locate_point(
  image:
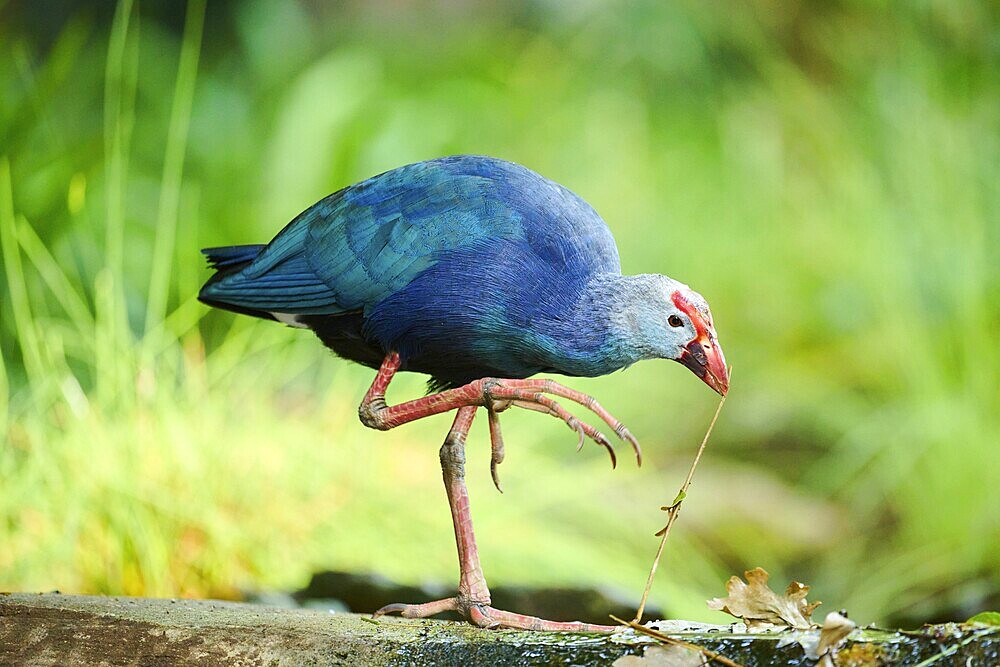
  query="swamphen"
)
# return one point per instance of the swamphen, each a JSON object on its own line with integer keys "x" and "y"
{"x": 479, "y": 273}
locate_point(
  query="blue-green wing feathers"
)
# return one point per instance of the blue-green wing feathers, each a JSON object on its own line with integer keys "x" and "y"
{"x": 362, "y": 244}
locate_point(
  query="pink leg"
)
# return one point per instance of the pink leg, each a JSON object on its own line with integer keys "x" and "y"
{"x": 486, "y": 392}
{"x": 473, "y": 599}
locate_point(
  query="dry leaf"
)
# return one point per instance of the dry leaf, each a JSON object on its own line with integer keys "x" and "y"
{"x": 835, "y": 630}
{"x": 821, "y": 644}
{"x": 759, "y": 607}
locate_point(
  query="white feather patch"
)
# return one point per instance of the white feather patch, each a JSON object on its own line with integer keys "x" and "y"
{"x": 289, "y": 319}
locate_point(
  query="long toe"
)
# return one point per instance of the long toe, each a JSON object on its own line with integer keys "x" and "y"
{"x": 484, "y": 616}
{"x": 488, "y": 617}
{"x": 424, "y": 610}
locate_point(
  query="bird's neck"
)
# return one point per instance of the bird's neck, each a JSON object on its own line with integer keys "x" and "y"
{"x": 602, "y": 333}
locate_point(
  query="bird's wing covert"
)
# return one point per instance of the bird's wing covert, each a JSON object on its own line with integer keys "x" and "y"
{"x": 362, "y": 244}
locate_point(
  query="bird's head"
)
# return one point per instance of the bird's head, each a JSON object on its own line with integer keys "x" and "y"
{"x": 666, "y": 319}
{"x": 695, "y": 343}
{"x": 651, "y": 316}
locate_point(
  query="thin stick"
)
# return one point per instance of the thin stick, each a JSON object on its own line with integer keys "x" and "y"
{"x": 667, "y": 639}
{"x": 673, "y": 509}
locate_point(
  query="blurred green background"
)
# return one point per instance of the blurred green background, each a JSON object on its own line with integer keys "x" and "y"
{"x": 827, "y": 174}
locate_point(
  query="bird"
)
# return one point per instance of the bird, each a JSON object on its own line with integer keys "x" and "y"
{"x": 481, "y": 274}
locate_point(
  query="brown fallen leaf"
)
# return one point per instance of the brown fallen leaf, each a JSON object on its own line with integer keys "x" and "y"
{"x": 759, "y": 607}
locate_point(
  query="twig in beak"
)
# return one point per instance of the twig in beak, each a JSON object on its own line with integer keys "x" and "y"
{"x": 673, "y": 509}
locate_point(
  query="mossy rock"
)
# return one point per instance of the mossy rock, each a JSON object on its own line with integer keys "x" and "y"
{"x": 54, "y": 629}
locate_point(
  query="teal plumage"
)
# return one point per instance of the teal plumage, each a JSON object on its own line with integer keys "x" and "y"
{"x": 467, "y": 265}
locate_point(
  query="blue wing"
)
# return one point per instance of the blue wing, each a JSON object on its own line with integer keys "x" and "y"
{"x": 361, "y": 245}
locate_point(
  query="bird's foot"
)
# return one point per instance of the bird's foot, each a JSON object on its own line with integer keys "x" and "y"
{"x": 500, "y": 394}
{"x": 496, "y": 395}
{"x": 484, "y": 616}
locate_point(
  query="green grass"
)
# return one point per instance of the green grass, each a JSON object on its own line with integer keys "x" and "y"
{"x": 830, "y": 184}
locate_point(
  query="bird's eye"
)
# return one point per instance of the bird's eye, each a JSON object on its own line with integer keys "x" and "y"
{"x": 675, "y": 321}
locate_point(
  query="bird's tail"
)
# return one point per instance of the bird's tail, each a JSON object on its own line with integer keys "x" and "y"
{"x": 227, "y": 260}
{"x": 231, "y": 256}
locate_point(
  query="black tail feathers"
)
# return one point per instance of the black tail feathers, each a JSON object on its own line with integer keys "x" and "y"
{"x": 231, "y": 255}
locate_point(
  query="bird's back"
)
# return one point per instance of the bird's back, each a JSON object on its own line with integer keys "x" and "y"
{"x": 448, "y": 262}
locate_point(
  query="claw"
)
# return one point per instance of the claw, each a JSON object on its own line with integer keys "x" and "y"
{"x": 604, "y": 442}
{"x": 627, "y": 436}
{"x": 496, "y": 445}
{"x": 576, "y": 426}
{"x": 495, "y": 475}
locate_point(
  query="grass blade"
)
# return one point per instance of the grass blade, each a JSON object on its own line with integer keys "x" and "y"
{"x": 20, "y": 302}
{"x": 173, "y": 164}
{"x": 4, "y": 405}
{"x": 59, "y": 284}
{"x": 111, "y": 315}
{"x": 119, "y": 105}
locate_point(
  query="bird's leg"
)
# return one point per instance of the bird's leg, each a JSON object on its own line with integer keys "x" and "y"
{"x": 486, "y": 392}
{"x": 473, "y": 599}
{"x": 472, "y": 589}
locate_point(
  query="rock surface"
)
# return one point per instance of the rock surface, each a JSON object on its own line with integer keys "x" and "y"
{"x": 64, "y": 630}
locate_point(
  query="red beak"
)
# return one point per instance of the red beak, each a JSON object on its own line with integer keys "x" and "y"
{"x": 703, "y": 356}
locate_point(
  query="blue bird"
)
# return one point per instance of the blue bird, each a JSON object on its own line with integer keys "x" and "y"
{"x": 479, "y": 273}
